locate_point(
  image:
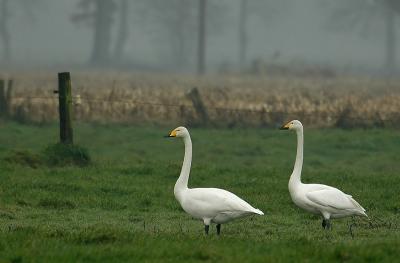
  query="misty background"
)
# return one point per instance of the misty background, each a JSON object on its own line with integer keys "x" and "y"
{"x": 163, "y": 35}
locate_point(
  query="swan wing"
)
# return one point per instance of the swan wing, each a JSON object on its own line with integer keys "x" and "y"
{"x": 220, "y": 201}
{"x": 334, "y": 198}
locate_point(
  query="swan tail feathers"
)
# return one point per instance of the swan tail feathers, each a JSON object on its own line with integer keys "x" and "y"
{"x": 362, "y": 212}
{"x": 258, "y": 212}
{"x": 359, "y": 208}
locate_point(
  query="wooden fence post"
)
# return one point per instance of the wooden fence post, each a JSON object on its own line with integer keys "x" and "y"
{"x": 5, "y": 98}
{"x": 3, "y": 102}
{"x": 65, "y": 107}
{"x": 8, "y": 97}
{"x": 201, "y": 110}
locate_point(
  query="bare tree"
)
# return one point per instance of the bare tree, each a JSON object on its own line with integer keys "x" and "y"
{"x": 348, "y": 14}
{"x": 172, "y": 23}
{"x": 4, "y": 31}
{"x": 209, "y": 13}
{"x": 267, "y": 10}
{"x": 201, "y": 38}
{"x": 176, "y": 25}
{"x": 390, "y": 58}
{"x": 182, "y": 46}
{"x": 242, "y": 33}
{"x": 394, "y": 4}
{"x": 123, "y": 30}
{"x": 6, "y": 14}
{"x": 98, "y": 14}
{"x": 392, "y": 8}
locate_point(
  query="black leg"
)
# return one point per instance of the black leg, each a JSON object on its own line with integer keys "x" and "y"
{"x": 326, "y": 223}
{"x": 206, "y": 228}
{"x": 351, "y": 225}
{"x": 323, "y": 223}
{"x": 218, "y": 229}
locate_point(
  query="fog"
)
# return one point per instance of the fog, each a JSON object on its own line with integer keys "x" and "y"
{"x": 345, "y": 35}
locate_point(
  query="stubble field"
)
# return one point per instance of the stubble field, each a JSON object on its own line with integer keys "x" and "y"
{"x": 229, "y": 101}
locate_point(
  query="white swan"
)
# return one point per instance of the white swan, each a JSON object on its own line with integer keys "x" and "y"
{"x": 212, "y": 205}
{"x": 327, "y": 201}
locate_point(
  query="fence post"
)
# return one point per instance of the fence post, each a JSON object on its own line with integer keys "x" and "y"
{"x": 3, "y": 102}
{"x": 201, "y": 110}
{"x": 65, "y": 107}
{"x": 8, "y": 97}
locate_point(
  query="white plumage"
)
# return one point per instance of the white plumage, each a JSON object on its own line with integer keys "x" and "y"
{"x": 324, "y": 200}
{"x": 211, "y": 205}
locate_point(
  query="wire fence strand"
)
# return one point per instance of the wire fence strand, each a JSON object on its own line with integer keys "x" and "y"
{"x": 320, "y": 114}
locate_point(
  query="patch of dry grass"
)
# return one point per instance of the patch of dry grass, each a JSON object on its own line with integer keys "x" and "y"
{"x": 230, "y": 100}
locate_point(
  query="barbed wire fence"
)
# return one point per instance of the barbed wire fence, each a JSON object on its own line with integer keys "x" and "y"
{"x": 208, "y": 114}
{"x": 198, "y": 113}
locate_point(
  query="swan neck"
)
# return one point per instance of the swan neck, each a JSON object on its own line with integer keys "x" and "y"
{"x": 182, "y": 182}
{"x": 295, "y": 178}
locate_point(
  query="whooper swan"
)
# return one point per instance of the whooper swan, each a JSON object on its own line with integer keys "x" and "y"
{"x": 212, "y": 205}
{"x": 327, "y": 201}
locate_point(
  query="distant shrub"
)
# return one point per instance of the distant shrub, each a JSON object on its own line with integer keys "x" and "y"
{"x": 66, "y": 154}
{"x": 23, "y": 157}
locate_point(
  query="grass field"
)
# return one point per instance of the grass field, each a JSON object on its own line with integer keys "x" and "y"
{"x": 122, "y": 208}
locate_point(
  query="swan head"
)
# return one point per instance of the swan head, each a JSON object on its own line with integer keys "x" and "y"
{"x": 292, "y": 125}
{"x": 178, "y": 132}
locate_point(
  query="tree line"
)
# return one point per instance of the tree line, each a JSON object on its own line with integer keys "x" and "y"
{"x": 186, "y": 25}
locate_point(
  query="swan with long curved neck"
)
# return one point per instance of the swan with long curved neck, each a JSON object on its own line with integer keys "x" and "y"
{"x": 211, "y": 205}
{"x": 324, "y": 200}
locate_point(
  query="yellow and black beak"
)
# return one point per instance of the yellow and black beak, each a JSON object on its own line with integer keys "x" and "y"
{"x": 285, "y": 127}
{"x": 171, "y": 135}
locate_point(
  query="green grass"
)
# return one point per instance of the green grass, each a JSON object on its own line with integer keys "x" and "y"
{"x": 122, "y": 208}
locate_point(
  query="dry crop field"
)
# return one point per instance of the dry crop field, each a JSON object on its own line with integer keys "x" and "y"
{"x": 229, "y": 101}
